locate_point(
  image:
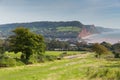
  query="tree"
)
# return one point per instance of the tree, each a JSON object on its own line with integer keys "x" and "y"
{"x": 116, "y": 50}
{"x": 99, "y": 49}
{"x": 107, "y": 45}
{"x": 26, "y": 42}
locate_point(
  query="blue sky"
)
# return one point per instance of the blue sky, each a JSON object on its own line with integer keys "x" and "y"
{"x": 104, "y": 13}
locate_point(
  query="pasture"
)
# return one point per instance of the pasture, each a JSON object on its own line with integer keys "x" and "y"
{"x": 80, "y": 68}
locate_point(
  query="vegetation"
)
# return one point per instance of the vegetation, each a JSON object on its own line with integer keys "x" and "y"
{"x": 99, "y": 49}
{"x": 28, "y": 43}
{"x": 48, "y": 55}
{"x": 116, "y": 50}
{"x": 52, "y": 29}
{"x": 107, "y": 45}
{"x": 83, "y": 68}
{"x": 68, "y": 28}
{"x": 46, "y": 28}
{"x": 6, "y": 60}
{"x": 56, "y": 44}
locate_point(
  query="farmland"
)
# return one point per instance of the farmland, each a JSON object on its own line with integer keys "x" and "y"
{"x": 69, "y": 28}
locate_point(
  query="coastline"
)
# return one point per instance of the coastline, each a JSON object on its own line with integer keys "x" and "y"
{"x": 89, "y": 36}
{"x": 110, "y": 37}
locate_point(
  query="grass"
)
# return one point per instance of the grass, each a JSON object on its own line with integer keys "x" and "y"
{"x": 87, "y": 68}
{"x": 57, "y": 53}
{"x": 68, "y": 28}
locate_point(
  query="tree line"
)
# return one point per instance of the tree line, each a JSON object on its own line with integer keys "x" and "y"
{"x": 100, "y": 48}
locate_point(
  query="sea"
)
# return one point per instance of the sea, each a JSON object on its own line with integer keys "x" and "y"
{"x": 111, "y": 37}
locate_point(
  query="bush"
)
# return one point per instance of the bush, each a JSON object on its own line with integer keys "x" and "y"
{"x": 50, "y": 57}
{"x": 116, "y": 50}
{"x": 7, "y": 61}
{"x": 35, "y": 59}
{"x": 63, "y": 54}
{"x": 40, "y": 58}
{"x": 19, "y": 62}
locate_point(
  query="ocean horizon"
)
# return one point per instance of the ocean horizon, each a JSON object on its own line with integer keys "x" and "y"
{"x": 111, "y": 37}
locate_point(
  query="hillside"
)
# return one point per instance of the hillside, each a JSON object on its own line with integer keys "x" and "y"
{"x": 69, "y": 29}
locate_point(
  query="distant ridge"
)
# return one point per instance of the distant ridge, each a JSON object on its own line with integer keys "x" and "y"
{"x": 49, "y": 29}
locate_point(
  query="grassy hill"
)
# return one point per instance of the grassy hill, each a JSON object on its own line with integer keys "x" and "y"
{"x": 81, "y": 68}
{"x": 48, "y": 29}
{"x": 68, "y": 29}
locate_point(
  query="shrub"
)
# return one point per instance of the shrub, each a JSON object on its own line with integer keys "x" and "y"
{"x": 7, "y": 61}
{"x": 99, "y": 50}
{"x": 35, "y": 59}
{"x": 63, "y": 54}
{"x": 50, "y": 57}
{"x": 116, "y": 50}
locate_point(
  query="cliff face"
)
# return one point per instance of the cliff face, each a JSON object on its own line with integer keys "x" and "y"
{"x": 87, "y": 30}
{"x": 84, "y": 32}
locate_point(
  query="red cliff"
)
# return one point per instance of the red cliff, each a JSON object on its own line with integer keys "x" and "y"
{"x": 84, "y": 32}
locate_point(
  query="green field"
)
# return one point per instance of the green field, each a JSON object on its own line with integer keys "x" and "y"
{"x": 68, "y": 28}
{"x": 85, "y": 67}
{"x": 57, "y": 53}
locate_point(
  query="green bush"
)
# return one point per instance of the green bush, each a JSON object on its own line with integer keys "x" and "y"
{"x": 19, "y": 62}
{"x": 35, "y": 59}
{"x": 63, "y": 54}
{"x": 7, "y": 61}
{"x": 50, "y": 57}
{"x": 40, "y": 58}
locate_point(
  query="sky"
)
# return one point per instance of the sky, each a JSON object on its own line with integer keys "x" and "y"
{"x": 104, "y": 13}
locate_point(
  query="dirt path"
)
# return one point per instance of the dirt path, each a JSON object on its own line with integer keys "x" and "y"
{"x": 76, "y": 56}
